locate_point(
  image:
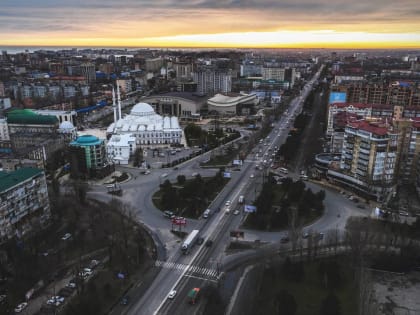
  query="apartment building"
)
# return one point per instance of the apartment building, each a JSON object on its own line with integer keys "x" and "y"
{"x": 211, "y": 80}
{"x": 369, "y": 159}
{"x": 24, "y": 202}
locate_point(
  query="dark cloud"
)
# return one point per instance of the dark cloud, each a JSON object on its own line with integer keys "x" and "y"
{"x": 233, "y": 15}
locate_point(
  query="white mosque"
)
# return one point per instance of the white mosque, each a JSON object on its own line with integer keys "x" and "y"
{"x": 141, "y": 127}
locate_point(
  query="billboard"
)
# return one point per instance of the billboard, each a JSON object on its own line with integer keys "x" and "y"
{"x": 249, "y": 208}
{"x": 226, "y": 175}
{"x": 179, "y": 221}
{"x": 337, "y": 97}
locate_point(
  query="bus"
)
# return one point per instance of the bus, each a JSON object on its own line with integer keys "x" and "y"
{"x": 283, "y": 170}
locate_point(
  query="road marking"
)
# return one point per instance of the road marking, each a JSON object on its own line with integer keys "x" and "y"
{"x": 191, "y": 270}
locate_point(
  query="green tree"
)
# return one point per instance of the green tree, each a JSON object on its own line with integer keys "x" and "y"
{"x": 286, "y": 303}
{"x": 181, "y": 179}
{"x": 330, "y": 305}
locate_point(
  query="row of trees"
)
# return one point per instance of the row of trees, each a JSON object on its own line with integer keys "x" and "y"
{"x": 189, "y": 198}
{"x": 277, "y": 204}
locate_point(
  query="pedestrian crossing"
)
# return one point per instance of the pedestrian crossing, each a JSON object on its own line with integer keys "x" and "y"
{"x": 191, "y": 270}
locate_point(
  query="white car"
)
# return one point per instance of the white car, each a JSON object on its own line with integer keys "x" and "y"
{"x": 252, "y": 176}
{"x": 227, "y": 210}
{"x": 236, "y": 212}
{"x": 227, "y": 203}
{"x": 21, "y": 307}
{"x": 172, "y": 294}
{"x": 66, "y": 236}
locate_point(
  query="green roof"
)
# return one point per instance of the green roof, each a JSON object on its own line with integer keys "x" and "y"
{"x": 86, "y": 140}
{"x": 27, "y": 116}
{"x": 10, "y": 179}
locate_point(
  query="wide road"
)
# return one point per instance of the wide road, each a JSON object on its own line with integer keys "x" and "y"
{"x": 206, "y": 264}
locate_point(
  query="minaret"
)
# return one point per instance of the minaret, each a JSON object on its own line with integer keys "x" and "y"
{"x": 114, "y": 105}
{"x": 119, "y": 102}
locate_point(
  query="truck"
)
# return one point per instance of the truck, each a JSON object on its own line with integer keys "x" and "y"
{"x": 189, "y": 241}
{"x": 193, "y": 295}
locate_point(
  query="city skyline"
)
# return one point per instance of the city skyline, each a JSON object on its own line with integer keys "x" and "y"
{"x": 224, "y": 24}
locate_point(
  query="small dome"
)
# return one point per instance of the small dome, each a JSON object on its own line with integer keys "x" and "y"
{"x": 142, "y": 109}
{"x": 66, "y": 125}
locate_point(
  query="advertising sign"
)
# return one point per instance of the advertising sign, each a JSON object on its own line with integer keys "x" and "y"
{"x": 179, "y": 221}
{"x": 226, "y": 175}
{"x": 337, "y": 97}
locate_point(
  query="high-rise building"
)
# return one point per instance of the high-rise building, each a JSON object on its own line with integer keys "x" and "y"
{"x": 24, "y": 202}
{"x": 369, "y": 158}
{"x": 211, "y": 80}
{"x": 88, "y": 71}
{"x": 183, "y": 70}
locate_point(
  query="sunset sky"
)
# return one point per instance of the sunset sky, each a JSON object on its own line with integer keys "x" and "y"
{"x": 211, "y": 23}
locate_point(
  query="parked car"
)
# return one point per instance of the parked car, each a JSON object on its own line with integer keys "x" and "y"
{"x": 169, "y": 214}
{"x": 66, "y": 237}
{"x": 125, "y": 300}
{"x": 21, "y": 307}
{"x": 284, "y": 239}
{"x": 209, "y": 243}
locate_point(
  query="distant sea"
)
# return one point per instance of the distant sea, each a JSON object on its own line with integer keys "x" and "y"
{"x": 20, "y": 49}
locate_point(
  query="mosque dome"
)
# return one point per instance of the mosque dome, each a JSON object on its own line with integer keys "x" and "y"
{"x": 142, "y": 109}
{"x": 66, "y": 125}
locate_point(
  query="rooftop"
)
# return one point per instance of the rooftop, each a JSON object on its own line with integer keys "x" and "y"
{"x": 27, "y": 116}
{"x": 10, "y": 179}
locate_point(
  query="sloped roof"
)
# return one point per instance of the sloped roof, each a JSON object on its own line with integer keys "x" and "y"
{"x": 27, "y": 116}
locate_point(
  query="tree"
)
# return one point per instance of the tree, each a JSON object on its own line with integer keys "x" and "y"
{"x": 330, "y": 305}
{"x": 181, "y": 179}
{"x": 286, "y": 303}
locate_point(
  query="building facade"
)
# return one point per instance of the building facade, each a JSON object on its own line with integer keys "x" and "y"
{"x": 369, "y": 159}
{"x": 211, "y": 81}
{"x": 147, "y": 127}
{"x": 24, "y": 202}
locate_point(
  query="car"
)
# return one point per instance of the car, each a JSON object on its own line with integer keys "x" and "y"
{"x": 209, "y": 243}
{"x": 227, "y": 203}
{"x": 284, "y": 239}
{"x": 21, "y": 307}
{"x": 321, "y": 236}
{"x": 93, "y": 264}
{"x": 87, "y": 271}
{"x": 169, "y": 214}
{"x": 404, "y": 213}
{"x": 172, "y": 294}
{"x": 206, "y": 213}
{"x": 3, "y": 298}
{"x": 175, "y": 168}
{"x": 236, "y": 212}
{"x": 66, "y": 237}
{"x": 71, "y": 285}
{"x": 200, "y": 240}
{"x": 227, "y": 210}
{"x": 305, "y": 235}
{"x": 251, "y": 176}
{"x": 125, "y": 300}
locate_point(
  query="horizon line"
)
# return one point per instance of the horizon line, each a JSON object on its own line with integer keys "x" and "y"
{"x": 208, "y": 47}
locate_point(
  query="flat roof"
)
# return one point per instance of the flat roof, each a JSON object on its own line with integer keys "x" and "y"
{"x": 11, "y": 179}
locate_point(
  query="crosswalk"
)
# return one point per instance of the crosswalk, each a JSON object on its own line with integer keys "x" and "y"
{"x": 191, "y": 270}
